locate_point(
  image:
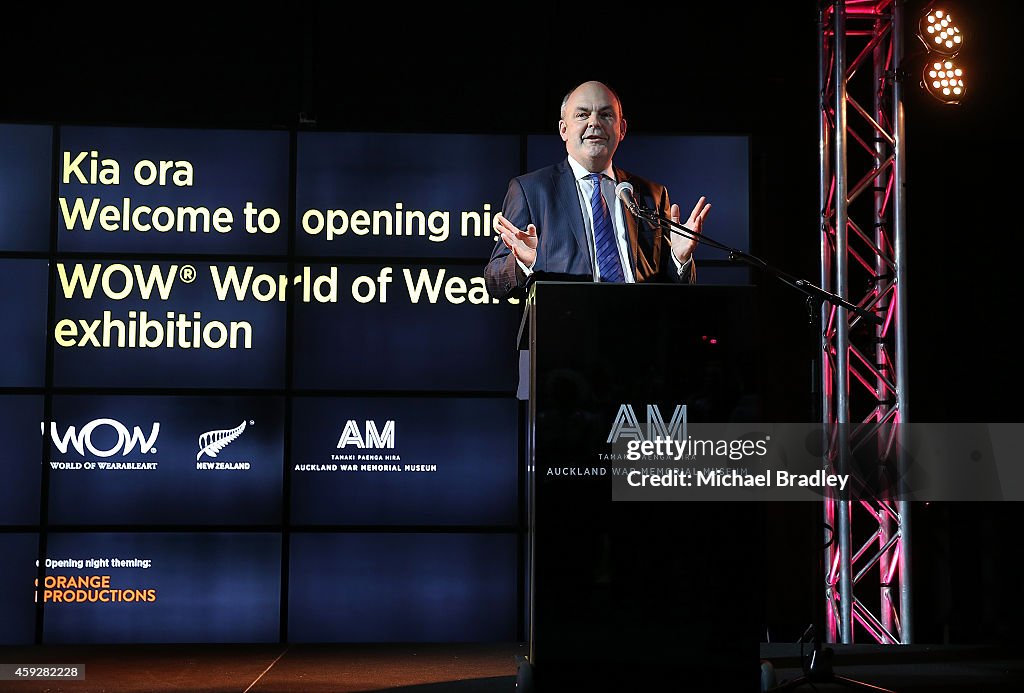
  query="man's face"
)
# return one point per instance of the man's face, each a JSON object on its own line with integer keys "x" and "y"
{"x": 592, "y": 125}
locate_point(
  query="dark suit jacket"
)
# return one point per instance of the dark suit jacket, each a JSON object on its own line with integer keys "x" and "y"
{"x": 549, "y": 198}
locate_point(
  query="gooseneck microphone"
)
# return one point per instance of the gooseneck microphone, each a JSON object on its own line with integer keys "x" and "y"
{"x": 624, "y": 191}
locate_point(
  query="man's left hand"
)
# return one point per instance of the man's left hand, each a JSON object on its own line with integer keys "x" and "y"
{"x": 682, "y": 247}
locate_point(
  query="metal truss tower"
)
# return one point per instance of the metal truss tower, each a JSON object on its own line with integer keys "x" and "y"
{"x": 864, "y": 363}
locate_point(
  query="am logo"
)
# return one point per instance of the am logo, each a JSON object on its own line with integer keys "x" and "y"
{"x": 627, "y": 425}
{"x": 369, "y": 437}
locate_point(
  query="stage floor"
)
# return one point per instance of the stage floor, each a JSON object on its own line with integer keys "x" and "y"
{"x": 902, "y": 668}
{"x": 473, "y": 668}
{"x": 419, "y": 668}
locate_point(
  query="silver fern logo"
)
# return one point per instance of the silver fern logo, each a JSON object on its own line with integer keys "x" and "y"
{"x": 212, "y": 442}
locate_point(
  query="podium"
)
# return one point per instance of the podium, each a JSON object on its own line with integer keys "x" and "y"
{"x": 631, "y": 596}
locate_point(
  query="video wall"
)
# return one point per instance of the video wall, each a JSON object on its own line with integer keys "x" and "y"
{"x": 255, "y": 389}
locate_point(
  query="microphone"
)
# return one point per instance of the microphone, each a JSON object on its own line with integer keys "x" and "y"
{"x": 624, "y": 191}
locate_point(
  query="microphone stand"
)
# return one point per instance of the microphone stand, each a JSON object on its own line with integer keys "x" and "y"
{"x": 811, "y": 290}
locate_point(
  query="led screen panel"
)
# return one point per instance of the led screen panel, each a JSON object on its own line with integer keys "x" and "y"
{"x": 162, "y": 588}
{"x": 406, "y": 327}
{"x": 404, "y": 461}
{"x": 138, "y": 459}
{"x": 138, "y": 323}
{"x": 23, "y": 315}
{"x": 17, "y": 580}
{"x": 20, "y": 471}
{"x": 402, "y": 588}
{"x": 172, "y": 191}
{"x": 400, "y": 195}
{"x": 25, "y": 155}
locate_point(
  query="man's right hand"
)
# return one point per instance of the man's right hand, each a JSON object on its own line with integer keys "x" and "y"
{"x": 522, "y": 244}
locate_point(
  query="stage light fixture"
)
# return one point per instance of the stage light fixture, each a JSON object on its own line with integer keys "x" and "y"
{"x": 944, "y": 80}
{"x": 941, "y": 76}
{"x": 938, "y": 32}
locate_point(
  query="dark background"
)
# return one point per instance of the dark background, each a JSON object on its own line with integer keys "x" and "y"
{"x": 714, "y": 68}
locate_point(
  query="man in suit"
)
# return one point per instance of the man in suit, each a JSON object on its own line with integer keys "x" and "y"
{"x": 552, "y": 226}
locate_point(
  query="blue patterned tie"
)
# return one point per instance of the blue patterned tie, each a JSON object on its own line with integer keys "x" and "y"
{"x": 608, "y": 263}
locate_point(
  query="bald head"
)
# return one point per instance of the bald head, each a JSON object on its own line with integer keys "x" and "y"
{"x": 592, "y": 84}
{"x": 591, "y": 124}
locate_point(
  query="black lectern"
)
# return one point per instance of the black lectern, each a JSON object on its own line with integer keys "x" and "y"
{"x": 635, "y": 596}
